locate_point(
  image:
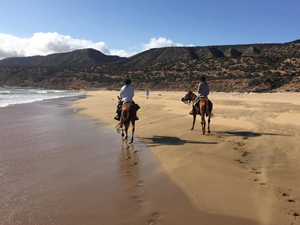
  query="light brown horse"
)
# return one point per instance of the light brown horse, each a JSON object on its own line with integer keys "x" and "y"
{"x": 128, "y": 115}
{"x": 203, "y": 107}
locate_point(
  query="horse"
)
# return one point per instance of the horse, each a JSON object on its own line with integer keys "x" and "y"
{"x": 128, "y": 114}
{"x": 203, "y": 107}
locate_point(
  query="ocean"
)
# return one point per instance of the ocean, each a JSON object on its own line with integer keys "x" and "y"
{"x": 15, "y": 96}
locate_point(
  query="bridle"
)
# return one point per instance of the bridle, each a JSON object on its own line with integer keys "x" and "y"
{"x": 186, "y": 100}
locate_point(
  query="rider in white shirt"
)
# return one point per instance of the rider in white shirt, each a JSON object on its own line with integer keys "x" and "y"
{"x": 126, "y": 94}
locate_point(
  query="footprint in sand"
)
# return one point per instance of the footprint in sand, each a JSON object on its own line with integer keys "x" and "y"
{"x": 291, "y": 200}
{"x": 134, "y": 164}
{"x": 138, "y": 199}
{"x": 241, "y": 161}
{"x": 151, "y": 222}
{"x": 140, "y": 184}
{"x": 245, "y": 153}
{"x": 129, "y": 173}
{"x": 154, "y": 216}
{"x": 136, "y": 151}
{"x": 255, "y": 171}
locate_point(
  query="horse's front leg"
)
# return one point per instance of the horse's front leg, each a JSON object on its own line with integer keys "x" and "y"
{"x": 133, "y": 128}
{"x": 203, "y": 123}
{"x": 208, "y": 125}
{"x": 194, "y": 119}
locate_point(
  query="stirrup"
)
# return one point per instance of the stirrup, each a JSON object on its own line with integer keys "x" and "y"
{"x": 117, "y": 118}
{"x": 137, "y": 118}
{"x": 191, "y": 112}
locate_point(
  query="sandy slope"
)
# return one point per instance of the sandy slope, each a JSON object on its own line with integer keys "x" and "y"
{"x": 248, "y": 166}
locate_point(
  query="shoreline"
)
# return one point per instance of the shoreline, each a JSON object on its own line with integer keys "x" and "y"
{"x": 225, "y": 172}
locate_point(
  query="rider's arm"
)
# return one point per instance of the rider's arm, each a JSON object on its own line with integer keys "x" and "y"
{"x": 199, "y": 88}
{"x": 121, "y": 92}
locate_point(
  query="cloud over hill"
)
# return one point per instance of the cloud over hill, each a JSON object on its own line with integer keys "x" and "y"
{"x": 48, "y": 43}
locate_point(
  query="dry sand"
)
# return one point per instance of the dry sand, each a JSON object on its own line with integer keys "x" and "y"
{"x": 247, "y": 167}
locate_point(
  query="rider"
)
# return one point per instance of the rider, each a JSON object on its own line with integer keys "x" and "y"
{"x": 126, "y": 95}
{"x": 203, "y": 90}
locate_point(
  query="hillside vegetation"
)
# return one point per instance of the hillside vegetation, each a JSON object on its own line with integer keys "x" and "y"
{"x": 243, "y": 68}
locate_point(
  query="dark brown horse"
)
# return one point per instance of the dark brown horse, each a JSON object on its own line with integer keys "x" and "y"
{"x": 128, "y": 115}
{"x": 203, "y": 107}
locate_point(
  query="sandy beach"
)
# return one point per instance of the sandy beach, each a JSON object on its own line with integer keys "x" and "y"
{"x": 60, "y": 168}
{"x": 247, "y": 168}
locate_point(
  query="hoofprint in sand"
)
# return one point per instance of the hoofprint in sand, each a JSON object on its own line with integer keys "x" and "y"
{"x": 248, "y": 166}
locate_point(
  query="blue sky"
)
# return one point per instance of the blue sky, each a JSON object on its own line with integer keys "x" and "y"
{"x": 127, "y": 27}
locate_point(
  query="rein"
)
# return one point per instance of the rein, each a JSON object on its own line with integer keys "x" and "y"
{"x": 189, "y": 100}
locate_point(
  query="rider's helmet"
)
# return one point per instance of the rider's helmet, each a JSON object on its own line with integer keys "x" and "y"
{"x": 202, "y": 79}
{"x": 127, "y": 81}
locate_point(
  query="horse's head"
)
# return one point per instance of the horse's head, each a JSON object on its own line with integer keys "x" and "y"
{"x": 190, "y": 96}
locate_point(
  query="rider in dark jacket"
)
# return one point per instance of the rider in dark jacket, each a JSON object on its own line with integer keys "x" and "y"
{"x": 203, "y": 90}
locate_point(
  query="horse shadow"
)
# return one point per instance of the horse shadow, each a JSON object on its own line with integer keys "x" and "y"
{"x": 167, "y": 140}
{"x": 248, "y": 134}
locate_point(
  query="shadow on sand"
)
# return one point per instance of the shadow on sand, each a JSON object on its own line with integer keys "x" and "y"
{"x": 166, "y": 140}
{"x": 246, "y": 134}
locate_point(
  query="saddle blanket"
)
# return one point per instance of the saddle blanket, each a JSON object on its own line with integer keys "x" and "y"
{"x": 198, "y": 100}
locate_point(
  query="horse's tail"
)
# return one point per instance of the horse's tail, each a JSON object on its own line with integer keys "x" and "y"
{"x": 208, "y": 108}
{"x": 123, "y": 119}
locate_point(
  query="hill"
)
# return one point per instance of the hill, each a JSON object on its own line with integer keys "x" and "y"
{"x": 18, "y": 61}
{"x": 78, "y": 58}
{"x": 180, "y": 54}
{"x": 243, "y": 68}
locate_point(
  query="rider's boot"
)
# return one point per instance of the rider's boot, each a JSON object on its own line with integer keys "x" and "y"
{"x": 117, "y": 117}
{"x": 193, "y": 110}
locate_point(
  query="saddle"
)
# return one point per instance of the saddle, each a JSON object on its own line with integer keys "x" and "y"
{"x": 198, "y": 100}
{"x": 137, "y": 107}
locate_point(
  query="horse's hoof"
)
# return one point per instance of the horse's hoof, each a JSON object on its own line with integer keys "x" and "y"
{"x": 208, "y": 131}
{"x": 192, "y": 128}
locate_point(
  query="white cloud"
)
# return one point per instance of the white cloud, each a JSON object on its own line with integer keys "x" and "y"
{"x": 48, "y": 43}
{"x": 160, "y": 43}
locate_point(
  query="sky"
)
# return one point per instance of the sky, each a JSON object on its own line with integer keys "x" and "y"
{"x": 128, "y": 27}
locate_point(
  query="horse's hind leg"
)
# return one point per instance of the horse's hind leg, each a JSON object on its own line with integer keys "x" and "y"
{"x": 122, "y": 134}
{"x": 126, "y": 130}
{"x": 133, "y": 128}
{"x": 208, "y": 125}
{"x": 203, "y": 123}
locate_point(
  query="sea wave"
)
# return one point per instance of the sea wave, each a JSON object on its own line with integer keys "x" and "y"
{"x": 23, "y": 96}
{"x": 4, "y": 92}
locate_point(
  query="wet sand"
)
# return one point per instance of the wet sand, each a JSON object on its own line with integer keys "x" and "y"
{"x": 247, "y": 168}
{"x": 60, "y": 168}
